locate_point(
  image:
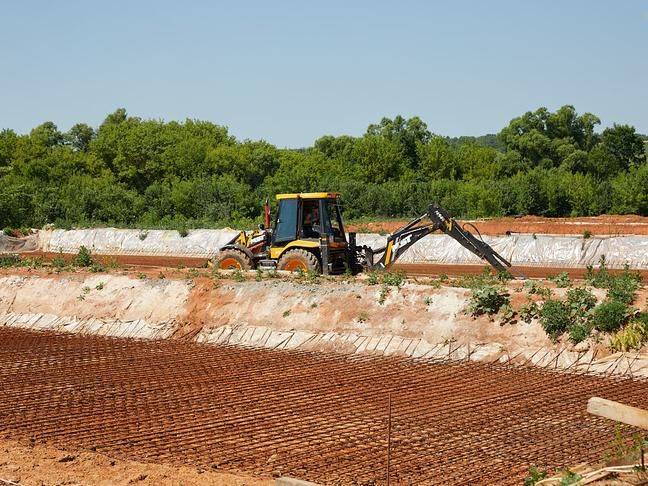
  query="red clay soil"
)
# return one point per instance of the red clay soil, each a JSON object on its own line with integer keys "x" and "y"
{"x": 25, "y": 463}
{"x": 162, "y": 264}
{"x": 125, "y": 260}
{"x": 313, "y": 416}
{"x": 596, "y": 225}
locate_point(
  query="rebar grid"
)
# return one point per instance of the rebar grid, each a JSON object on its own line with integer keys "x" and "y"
{"x": 320, "y": 417}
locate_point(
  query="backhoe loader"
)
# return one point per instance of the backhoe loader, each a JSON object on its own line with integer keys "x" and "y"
{"x": 308, "y": 235}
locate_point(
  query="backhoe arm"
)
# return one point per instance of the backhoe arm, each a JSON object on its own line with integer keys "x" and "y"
{"x": 399, "y": 241}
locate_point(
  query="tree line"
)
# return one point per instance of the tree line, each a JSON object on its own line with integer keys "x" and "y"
{"x": 150, "y": 173}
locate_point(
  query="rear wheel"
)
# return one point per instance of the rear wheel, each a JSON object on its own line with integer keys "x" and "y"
{"x": 232, "y": 259}
{"x": 298, "y": 260}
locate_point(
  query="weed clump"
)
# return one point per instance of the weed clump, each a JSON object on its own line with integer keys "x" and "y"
{"x": 529, "y": 311}
{"x": 535, "y": 475}
{"x": 488, "y": 299}
{"x": 561, "y": 280}
{"x": 9, "y": 261}
{"x": 609, "y": 316}
{"x": 83, "y": 257}
{"x": 555, "y": 318}
{"x": 632, "y": 336}
{"x": 580, "y": 301}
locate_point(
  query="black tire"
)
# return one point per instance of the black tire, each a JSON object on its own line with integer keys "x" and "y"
{"x": 231, "y": 259}
{"x": 292, "y": 260}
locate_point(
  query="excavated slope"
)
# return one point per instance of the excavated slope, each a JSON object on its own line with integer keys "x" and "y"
{"x": 347, "y": 317}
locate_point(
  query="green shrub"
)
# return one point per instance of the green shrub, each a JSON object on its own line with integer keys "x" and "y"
{"x": 561, "y": 280}
{"x": 83, "y": 257}
{"x": 555, "y": 318}
{"x": 97, "y": 267}
{"x": 395, "y": 279}
{"x": 598, "y": 278}
{"x": 578, "y": 333}
{"x": 580, "y": 301}
{"x": 609, "y": 316}
{"x": 623, "y": 288}
{"x": 488, "y": 299}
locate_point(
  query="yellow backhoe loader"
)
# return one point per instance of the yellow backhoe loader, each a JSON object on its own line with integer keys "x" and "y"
{"x": 308, "y": 235}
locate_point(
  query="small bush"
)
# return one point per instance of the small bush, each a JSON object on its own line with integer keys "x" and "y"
{"x": 488, "y": 299}
{"x": 97, "y": 267}
{"x": 587, "y": 234}
{"x": 580, "y": 301}
{"x": 395, "y": 279}
{"x": 561, "y": 280}
{"x": 83, "y": 257}
{"x": 623, "y": 288}
{"x": 632, "y": 336}
{"x": 555, "y": 318}
{"x": 610, "y": 316}
{"x": 578, "y": 333}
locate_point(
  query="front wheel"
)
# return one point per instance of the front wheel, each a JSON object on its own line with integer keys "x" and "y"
{"x": 298, "y": 260}
{"x": 232, "y": 259}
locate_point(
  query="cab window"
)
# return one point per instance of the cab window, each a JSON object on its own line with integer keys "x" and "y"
{"x": 311, "y": 219}
{"x": 332, "y": 219}
{"x": 286, "y": 224}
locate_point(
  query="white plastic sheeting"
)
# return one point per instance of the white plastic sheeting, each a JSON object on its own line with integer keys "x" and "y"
{"x": 519, "y": 249}
{"x": 111, "y": 241}
{"x": 522, "y": 249}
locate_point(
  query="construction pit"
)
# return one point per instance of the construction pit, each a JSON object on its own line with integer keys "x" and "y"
{"x": 243, "y": 377}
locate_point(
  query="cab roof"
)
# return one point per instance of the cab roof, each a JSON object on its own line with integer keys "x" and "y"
{"x": 309, "y": 195}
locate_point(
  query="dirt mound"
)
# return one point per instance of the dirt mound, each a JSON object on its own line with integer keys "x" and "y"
{"x": 595, "y": 225}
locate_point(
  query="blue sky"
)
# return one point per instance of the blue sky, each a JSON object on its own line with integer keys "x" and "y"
{"x": 291, "y": 71}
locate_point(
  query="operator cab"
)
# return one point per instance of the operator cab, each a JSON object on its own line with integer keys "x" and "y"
{"x": 308, "y": 216}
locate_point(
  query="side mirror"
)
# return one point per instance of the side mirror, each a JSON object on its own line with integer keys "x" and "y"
{"x": 261, "y": 227}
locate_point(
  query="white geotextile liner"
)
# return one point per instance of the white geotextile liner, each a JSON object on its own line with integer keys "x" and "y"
{"x": 520, "y": 249}
{"x": 539, "y": 250}
{"x": 111, "y": 241}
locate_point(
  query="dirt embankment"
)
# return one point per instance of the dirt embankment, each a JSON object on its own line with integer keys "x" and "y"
{"x": 595, "y": 225}
{"x": 418, "y": 319}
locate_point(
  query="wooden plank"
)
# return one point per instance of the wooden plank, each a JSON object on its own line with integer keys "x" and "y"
{"x": 618, "y": 411}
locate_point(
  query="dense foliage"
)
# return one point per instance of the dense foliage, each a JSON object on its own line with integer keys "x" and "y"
{"x": 134, "y": 172}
